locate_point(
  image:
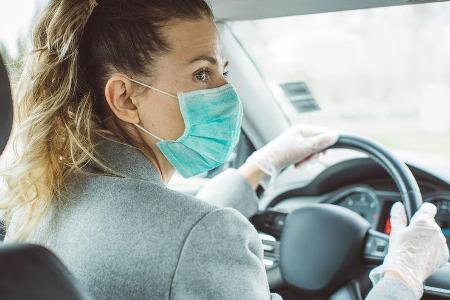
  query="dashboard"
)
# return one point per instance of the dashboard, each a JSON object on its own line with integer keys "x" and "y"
{"x": 359, "y": 185}
{"x": 375, "y": 205}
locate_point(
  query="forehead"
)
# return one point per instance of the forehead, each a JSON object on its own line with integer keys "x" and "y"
{"x": 192, "y": 38}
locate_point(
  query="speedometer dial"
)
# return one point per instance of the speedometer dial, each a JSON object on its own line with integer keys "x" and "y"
{"x": 363, "y": 203}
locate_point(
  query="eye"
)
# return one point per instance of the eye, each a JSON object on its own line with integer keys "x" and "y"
{"x": 202, "y": 75}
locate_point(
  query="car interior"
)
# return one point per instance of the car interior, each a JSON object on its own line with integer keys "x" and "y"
{"x": 322, "y": 230}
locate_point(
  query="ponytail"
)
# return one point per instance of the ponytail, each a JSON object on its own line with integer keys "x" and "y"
{"x": 53, "y": 114}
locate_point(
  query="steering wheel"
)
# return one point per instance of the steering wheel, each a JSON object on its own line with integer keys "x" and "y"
{"x": 324, "y": 247}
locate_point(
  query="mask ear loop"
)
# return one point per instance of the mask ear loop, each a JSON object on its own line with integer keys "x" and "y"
{"x": 153, "y": 88}
{"x": 148, "y": 132}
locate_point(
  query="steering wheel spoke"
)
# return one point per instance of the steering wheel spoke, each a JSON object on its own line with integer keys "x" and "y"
{"x": 376, "y": 247}
{"x": 350, "y": 291}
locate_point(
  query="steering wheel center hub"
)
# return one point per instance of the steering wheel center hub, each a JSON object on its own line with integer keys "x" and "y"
{"x": 319, "y": 245}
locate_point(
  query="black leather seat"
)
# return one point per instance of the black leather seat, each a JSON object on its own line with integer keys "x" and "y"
{"x": 29, "y": 271}
{"x": 33, "y": 272}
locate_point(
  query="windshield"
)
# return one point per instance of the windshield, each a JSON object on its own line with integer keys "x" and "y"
{"x": 383, "y": 73}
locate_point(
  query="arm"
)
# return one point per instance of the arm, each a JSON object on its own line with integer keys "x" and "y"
{"x": 391, "y": 289}
{"x": 231, "y": 189}
{"x": 221, "y": 259}
{"x": 235, "y": 188}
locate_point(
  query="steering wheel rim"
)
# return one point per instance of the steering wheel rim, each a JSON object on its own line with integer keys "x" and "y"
{"x": 337, "y": 241}
{"x": 397, "y": 169}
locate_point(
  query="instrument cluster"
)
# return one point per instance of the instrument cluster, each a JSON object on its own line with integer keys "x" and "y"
{"x": 365, "y": 203}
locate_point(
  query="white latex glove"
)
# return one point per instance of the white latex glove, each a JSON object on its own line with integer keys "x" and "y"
{"x": 415, "y": 251}
{"x": 292, "y": 147}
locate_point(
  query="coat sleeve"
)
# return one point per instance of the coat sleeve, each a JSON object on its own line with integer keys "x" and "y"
{"x": 231, "y": 189}
{"x": 221, "y": 259}
{"x": 391, "y": 289}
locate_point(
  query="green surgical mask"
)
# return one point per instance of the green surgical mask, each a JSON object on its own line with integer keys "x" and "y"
{"x": 212, "y": 119}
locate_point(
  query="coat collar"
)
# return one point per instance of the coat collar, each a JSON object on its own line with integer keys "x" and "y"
{"x": 126, "y": 160}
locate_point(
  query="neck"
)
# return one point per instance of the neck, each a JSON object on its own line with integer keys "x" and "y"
{"x": 152, "y": 153}
{"x": 155, "y": 157}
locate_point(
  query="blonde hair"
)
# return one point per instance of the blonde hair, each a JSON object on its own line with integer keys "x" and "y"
{"x": 59, "y": 110}
{"x": 51, "y": 135}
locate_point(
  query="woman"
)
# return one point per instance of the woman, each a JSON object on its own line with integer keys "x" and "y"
{"x": 115, "y": 98}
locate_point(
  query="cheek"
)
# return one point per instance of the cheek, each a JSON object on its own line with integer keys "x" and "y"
{"x": 162, "y": 117}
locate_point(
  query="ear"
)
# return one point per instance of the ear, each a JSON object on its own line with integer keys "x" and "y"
{"x": 118, "y": 90}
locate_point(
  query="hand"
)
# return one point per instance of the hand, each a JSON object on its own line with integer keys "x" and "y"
{"x": 415, "y": 251}
{"x": 294, "y": 146}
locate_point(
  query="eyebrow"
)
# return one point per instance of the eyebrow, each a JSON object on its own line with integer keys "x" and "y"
{"x": 209, "y": 59}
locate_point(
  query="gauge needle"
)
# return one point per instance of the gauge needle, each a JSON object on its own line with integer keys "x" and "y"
{"x": 363, "y": 198}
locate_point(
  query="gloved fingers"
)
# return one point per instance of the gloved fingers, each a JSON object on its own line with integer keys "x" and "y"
{"x": 398, "y": 217}
{"x": 308, "y": 159}
{"x": 307, "y": 130}
{"x": 322, "y": 141}
{"x": 293, "y": 147}
{"x": 417, "y": 251}
{"x": 427, "y": 209}
{"x": 424, "y": 221}
{"x": 445, "y": 255}
{"x": 442, "y": 252}
{"x": 429, "y": 225}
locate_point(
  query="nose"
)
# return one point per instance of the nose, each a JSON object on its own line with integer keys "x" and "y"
{"x": 221, "y": 81}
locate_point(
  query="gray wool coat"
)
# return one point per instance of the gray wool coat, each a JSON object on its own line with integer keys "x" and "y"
{"x": 131, "y": 237}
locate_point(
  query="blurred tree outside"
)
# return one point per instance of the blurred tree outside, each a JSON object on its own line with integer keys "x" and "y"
{"x": 14, "y": 63}
{"x": 382, "y": 73}
{"x": 14, "y": 55}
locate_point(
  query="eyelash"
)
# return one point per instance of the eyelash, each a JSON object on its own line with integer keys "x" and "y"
{"x": 208, "y": 73}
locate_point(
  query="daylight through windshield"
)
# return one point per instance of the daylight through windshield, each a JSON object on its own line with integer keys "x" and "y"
{"x": 382, "y": 73}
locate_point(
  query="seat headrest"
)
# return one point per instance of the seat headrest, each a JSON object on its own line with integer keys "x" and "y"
{"x": 33, "y": 272}
{"x": 5, "y": 106}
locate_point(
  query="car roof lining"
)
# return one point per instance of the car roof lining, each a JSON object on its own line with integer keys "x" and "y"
{"x": 235, "y": 10}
